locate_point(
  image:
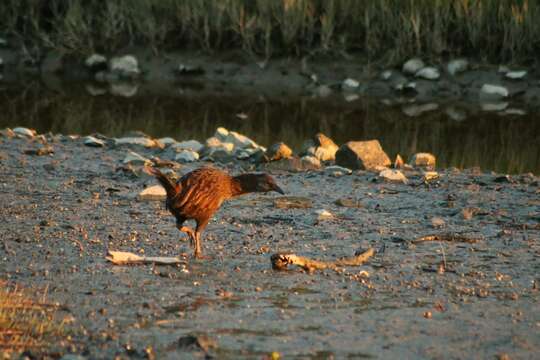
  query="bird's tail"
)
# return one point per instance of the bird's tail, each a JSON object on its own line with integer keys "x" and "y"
{"x": 169, "y": 186}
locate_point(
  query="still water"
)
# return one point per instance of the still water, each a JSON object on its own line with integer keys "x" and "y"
{"x": 507, "y": 144}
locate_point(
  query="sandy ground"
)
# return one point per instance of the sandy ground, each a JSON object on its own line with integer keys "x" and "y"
{"x": 60, "y": 214}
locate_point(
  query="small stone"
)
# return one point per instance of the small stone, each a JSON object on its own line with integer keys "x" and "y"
{"x": 455, "y": 114}
{"x": 351, "y": 97}
{"x": 94, "y": 90}
{"x": 349, "y": 84}
{"x": 322, "y": 91}
{"x": 497, "y": 90}
{"x": 430, "y": 176}
{"x": 188, "y": 145}
{"x": 468, "y": 212}
{"x": 386, "y": 75}
{"x": 203, "y": 342}
{"x": 186, "y": 156}
{"x": 416, "y": 110}
{"x": 516, "y": 75}
{"x": 496, "y": 106}
{"x": 412, "y": 66}
{"x": 362, "y": 155}
{"x": 95, "y": 60}
{"x": 140, "y": 141}
{"x": 347, "y": 202}
{"x": 310, "y": 162}
{"x": 279, "y": 151}
{"x": 393, "y": 175}
{"x": 398, "y": 163}
{"x": 126, "y": 65}
{"x": 292, "y": 202}
{"x": 124, "y": 89}
{"x": 155, "y": 192}
{"x": 24, "y": 132}
{"x": 93, "y": 142}
{"x": 133, "y": 158}
{"x": 336, "y": 168}
{"x": 457, "y": 66}
{"x": 428, "y": 73}
{"x": 428, "y": 314}
{"x": 437, "y": 222}
{"x": 423, "y": 160}
{"x": 323, "y": 214}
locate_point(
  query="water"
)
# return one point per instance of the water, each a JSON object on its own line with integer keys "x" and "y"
{"x": 506, "y": 144}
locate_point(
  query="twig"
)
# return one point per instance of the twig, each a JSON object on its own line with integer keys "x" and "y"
{"x": 280, "y": 261}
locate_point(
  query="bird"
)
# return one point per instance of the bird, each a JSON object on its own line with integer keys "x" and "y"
{"x": 198, "y": 195}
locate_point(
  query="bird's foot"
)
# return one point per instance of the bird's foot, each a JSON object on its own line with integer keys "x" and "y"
{"x": 200, "y": 256}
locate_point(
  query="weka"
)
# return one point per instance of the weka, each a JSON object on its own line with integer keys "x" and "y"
{"x": 199, "y": 194}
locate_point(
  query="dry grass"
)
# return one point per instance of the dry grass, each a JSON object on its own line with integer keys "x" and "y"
{"x": 498, "y": 30}
{"x": 27, "y": 322}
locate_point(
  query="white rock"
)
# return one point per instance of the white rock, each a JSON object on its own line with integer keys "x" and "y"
{"x": 515, "y": 111}
{"x": 514, "y": 75}
{"x": 155, "y": 192}
{"x": 456, "y": 66}
{"x": 141, "y": 141}
{"x": 351, "y": 97}
{"x": 350, "y": 83}
{"x": 189, "y": 145}
{"x": 95, "y": 90}
{"x": 386, "y": 75}
{"x": 123, "y": 89}
{"x": 413, "y": 65}
{"x": 323, "y": 214}
{"x": 93, "y": 142}
{"x": 455, "y": 114}
{"x": 135, "y": 159}
{"x": 240, "y": 140}
{"x": 95, "y": 59}
{"x": 337, "y": 171}
{"x": 503, "y": 69}
{"x": 166, "y": 141}
{"x": 495, "y": 90}
{"x": 393, "y": 176}
{"x": 416, "y": 110}
{"x": 22, "y": 131}
{"x": 311, "y": 161}
{"x": 437, "y": 222}
{"x": 126, "y": 65}
{"x": 498, "y": 106}
{"x": 428, "y": 73}
{"x": 221, "y": 133}
{"x": 186, "y": 156}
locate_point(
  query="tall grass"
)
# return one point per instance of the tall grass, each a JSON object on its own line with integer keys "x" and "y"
{"x": 498, "y": 30}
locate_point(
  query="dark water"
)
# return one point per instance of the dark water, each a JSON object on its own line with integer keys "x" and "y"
{"x": 508, "y": 144}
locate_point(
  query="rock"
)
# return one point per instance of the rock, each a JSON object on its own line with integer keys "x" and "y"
{"x": 279, "y": 151}
{"x": 494, "y": 106}
{"x": 503, "y": 69}
{"x": 386, "y": 75}
{"x": 94, "y": 90}
{"x": 221, "y": 155}
{"x": 73, "y": 357}
{"x": 155, "y": 192}
{"x": 350, "y": 203}
{"x": 292, "y": 202}
{"x": 186, "y": 156}
{"x": 96, "y": 61}
{"x": 515, "y": 111}
{"x": 457, "y": 66}
{"x": 139, "y": 141}
{"x": 362, "y": 155}
{"x": 516, "y": 75}
{"x": 184, "y": 69}
{"x": 24, "y": 132}
{"x": 123, "y": 89}
{"x": 412, "y": 66}
{"x": 323, "y": 214}
{"x": 221, "y": 134}
{"x": 201, "y": 341}
{"x": 497, "y": 90}
{"x": 350, "y": 84}
{"x": 336, "y": 170}
{"x": 437, "y": 222}
{"x": 7, "y": 132}
{"x": 93, "y": 142}
{"x": 321, "y": 147}
{"x": 398, "y": 163}
{"x": 133, "y": 158}
{"x": 417, "y": 110}
{"x": 165, "y": 141}
{"x": 393, "y": 176}
{"x": 188, "y": 145}
{"x": 244, "y": 154}
{"x": 42, "y": 150}
{"x": 398, "y": 81}
{"x": 430, "y": 176}
{"x": 126, "y": 66}
{"x": 455, "y": 113}
{"x": 351, "y": 97}
{"x": 240, "y": 141}
{"x": 309, "y": 161}
{"x": 428, "y": 73}
{"x": 423, "y": 160}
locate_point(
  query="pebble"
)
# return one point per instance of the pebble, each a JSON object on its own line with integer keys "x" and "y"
{"x": 437, "y": 222}
{"x": 279, "y": 151}
{"x": 333, "y": 169}
{"x": 393, "y": 176}
{"x": 323, "y": 214}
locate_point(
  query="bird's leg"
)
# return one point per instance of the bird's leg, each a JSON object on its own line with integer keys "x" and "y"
{"x": 189, "y": 232}
{"x": 198, "y": 247}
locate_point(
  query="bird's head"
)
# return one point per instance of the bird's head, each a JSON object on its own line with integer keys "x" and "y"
{"x": 258, "y": 183}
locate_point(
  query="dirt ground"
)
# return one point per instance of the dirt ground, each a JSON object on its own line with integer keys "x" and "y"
{"x": 475, "y": 296}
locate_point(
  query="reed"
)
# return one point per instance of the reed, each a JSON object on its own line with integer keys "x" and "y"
{"x": 390, "y": 30}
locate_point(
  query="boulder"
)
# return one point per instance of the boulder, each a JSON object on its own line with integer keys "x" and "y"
{"x": 350, "y": 84}
{"x": 96, "y": 62}
{"x": 279, "y": 151}
{"x": 412, "y": 66}
{"x": 240, "y": 141}
{"x": 393, "y": 175}
{"x": 423, "y": 160}
{"x": 362, "y": 155}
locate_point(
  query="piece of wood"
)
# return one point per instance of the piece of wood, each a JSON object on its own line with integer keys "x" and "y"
{"x": 280, "y": 261}
{"x": 124, "y": 258}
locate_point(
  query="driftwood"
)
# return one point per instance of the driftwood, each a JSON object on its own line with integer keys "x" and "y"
{"x": 124, "y": 258}
{"x": 451, "y": 237}
{"x": 280, "y": 261}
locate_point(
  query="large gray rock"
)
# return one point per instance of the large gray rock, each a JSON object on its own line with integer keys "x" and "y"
{"x": 412, "y": 66}
{"x": 362, "y": 155}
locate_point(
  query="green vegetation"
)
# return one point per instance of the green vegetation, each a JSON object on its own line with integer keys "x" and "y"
{"x": 388, "y": 30}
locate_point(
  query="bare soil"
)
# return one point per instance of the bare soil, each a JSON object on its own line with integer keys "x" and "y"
{"x": 472, "y": 294}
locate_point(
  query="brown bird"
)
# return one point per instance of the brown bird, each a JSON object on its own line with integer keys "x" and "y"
{"x": 199, "y": 194}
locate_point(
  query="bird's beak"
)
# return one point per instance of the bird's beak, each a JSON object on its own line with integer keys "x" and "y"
{"x": 278, "y": 189}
